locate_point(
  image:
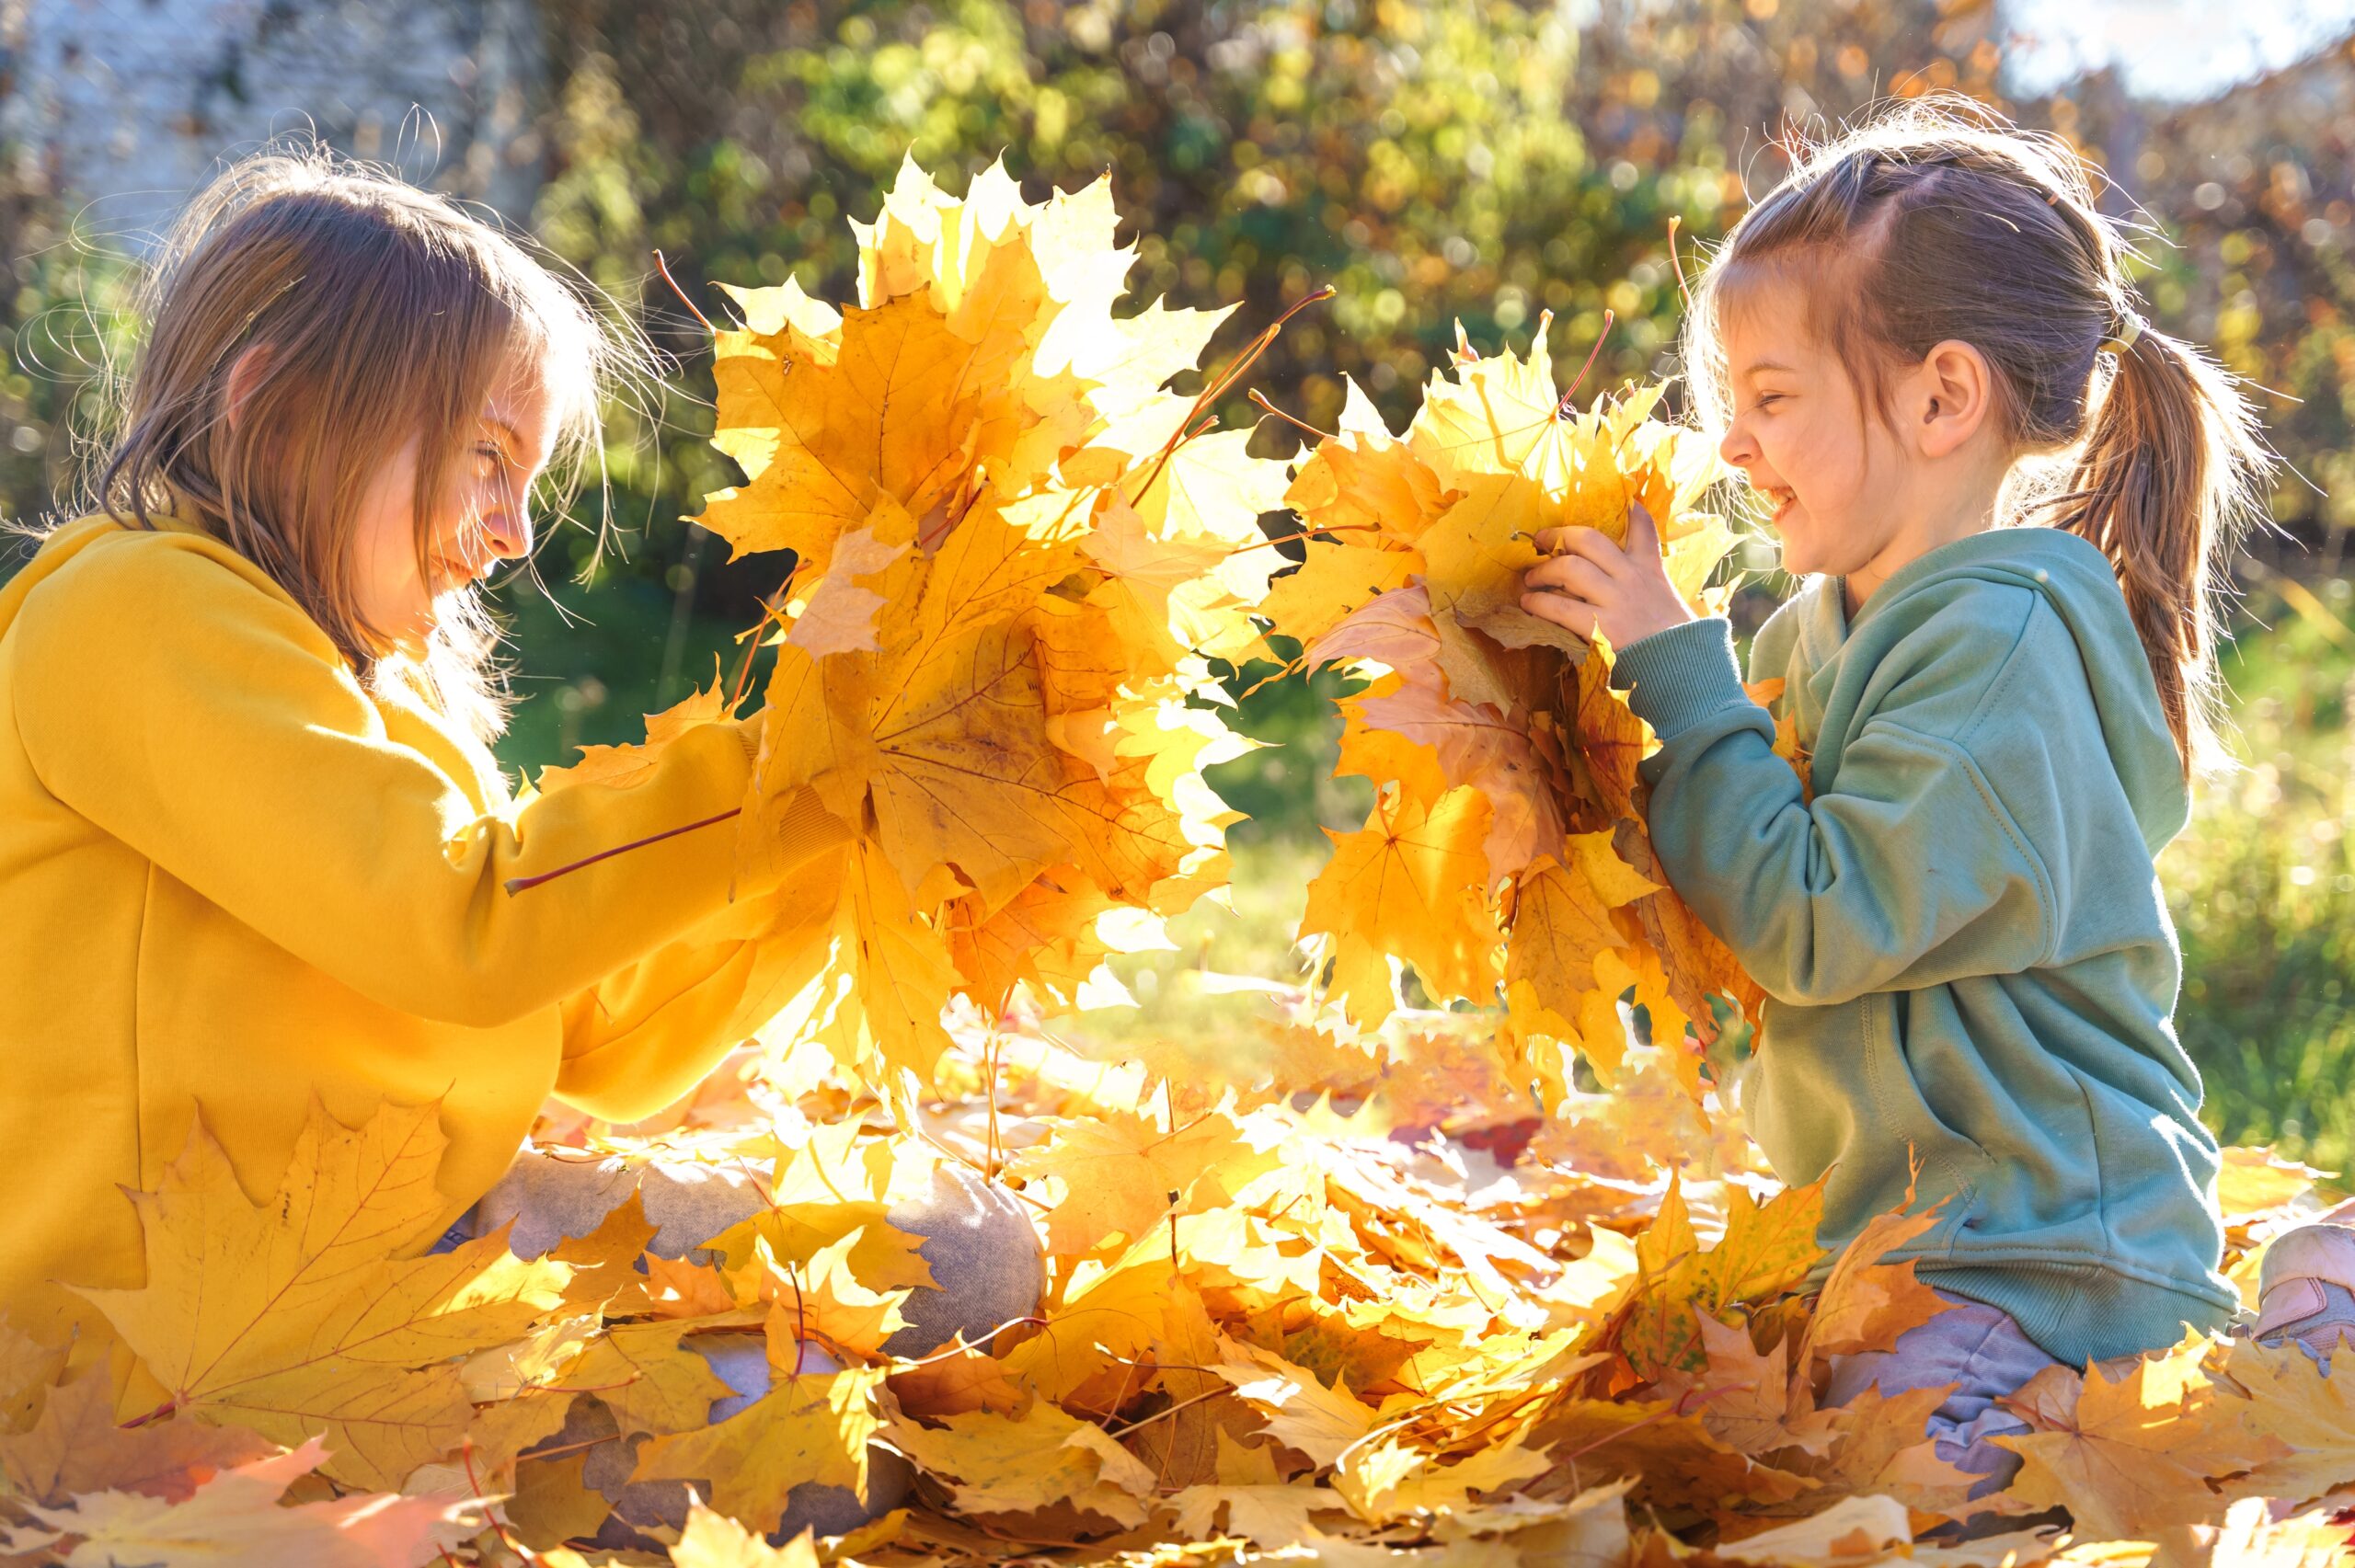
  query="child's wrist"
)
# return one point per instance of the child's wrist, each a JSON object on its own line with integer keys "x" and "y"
{"x": 1675, "y": 679}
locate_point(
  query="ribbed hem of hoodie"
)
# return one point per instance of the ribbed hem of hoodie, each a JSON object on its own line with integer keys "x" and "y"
{"x": 748, "y": 733}
{"x": 2081, "y": 1312}
{"x": 1677, "y": 678}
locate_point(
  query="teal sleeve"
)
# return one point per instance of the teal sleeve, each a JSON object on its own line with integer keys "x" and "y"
{"x": 1908, "y": 873}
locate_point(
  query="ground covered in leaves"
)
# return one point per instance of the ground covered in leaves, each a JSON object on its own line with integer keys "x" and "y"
{"x": 1398, "y": 1319}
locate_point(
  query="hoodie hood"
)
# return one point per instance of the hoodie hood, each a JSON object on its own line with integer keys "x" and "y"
{"x": 69, "y": 539}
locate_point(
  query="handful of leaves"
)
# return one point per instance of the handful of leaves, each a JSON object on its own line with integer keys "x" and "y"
{"x": 1505, "y": 847}
{"x": 1014, "y": 549}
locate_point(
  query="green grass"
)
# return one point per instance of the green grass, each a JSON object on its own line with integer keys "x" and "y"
{"x": 2263, "y": 889}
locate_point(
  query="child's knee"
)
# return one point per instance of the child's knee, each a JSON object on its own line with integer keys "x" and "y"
{"x": 984, "y": 1256}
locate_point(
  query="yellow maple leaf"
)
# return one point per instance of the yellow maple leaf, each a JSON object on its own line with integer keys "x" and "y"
{"x": 1473, "y": 691}
{"x": 2137, "y": 1452}
{"x": 1119, "y": 1170}
{"x": 1299, "y": 1410}
{"x": 1866, "y": 1304}
{"x": 289, "y": 1317}
{"x": 712, "y": 1540}
{"x": 1389, "y": 1480}
{"x": 823, "y": 1299}
{"x": 28, "y": 1367}
{"x": 621, "y": 766}
{"x": 995, "y": 1464}
{"x": 1017, "y": 549}
{"x": 1560, "y": 928}
{"x": 650, "y": 1380}
{"x": 807, "y": 1430}
{"x": 1765, "y": 1249}
{"x": 1412, "y": 883}
{"x": 1270, "y": 1513}
{"x": 2293, "y": 1403}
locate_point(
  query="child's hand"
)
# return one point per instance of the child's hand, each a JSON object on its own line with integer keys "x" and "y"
{"x": 1588, "y": 583}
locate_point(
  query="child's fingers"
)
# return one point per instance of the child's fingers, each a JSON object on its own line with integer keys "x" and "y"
{"x": 1643, "y": 534}
{"x": 1562, "y": 610}
{"x": 1573, "y": 573}
{"x": 1586, "y": 543}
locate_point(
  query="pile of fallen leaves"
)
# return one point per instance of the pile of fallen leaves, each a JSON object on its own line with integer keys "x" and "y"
{"x": 1412, "y": 1324}
{"x": 1506, "y": 852}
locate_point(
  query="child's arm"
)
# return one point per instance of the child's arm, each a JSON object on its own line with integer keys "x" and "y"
{"x": 645, "y": 1035}
{"x": 166, "y": 694}
{"x": 1909, "y": 872}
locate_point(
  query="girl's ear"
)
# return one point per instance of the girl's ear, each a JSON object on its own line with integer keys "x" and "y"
{"x": 1952, "y": 396}
{"x": 244, "y": 377}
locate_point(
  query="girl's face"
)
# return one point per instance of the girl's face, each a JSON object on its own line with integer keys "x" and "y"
{"x": 484, "y": 518}
{"x": 1803, "y": 436}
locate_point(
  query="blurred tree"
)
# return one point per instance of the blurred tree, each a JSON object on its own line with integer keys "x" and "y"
{"x": 1453, "y": 161}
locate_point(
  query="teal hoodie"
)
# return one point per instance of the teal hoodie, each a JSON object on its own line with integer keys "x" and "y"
{"x": 1961, "y": 936}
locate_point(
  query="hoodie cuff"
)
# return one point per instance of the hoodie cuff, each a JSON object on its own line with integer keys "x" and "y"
{"x": 1677, "y": 678}
{"x": 748, "y": 732}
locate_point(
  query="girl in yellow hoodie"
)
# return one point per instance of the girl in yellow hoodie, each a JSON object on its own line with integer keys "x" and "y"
{"x": 253, "y": 846}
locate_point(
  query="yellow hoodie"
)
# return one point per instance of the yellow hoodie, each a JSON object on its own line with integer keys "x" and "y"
{"x": 231, "y": 877}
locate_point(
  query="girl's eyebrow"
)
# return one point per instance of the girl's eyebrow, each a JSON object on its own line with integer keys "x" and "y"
{"x": 1761, "y": 367}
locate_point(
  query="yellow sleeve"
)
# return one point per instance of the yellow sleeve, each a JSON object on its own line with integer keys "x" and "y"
{"x": 641, "y": 1038}
{"x": 183, "y": 704}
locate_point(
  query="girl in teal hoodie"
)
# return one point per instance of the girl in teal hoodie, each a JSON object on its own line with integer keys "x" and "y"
{"x": 1919, "y": 345}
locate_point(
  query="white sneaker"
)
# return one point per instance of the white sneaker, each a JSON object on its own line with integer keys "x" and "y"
{"x": 2306, "y": 1289}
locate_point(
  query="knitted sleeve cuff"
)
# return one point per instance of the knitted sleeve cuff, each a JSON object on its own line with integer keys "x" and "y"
{"x": 1676, "y": 679}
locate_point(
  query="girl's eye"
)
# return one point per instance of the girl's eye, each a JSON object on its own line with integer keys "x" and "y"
{"x": 1767, "y": 399}
{"x": 492, "y": 456}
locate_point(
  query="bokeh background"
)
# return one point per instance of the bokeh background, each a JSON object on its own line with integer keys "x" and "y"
{"x": 1462, "y": 161}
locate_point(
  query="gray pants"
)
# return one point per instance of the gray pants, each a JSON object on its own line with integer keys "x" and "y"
{"x": 1979, "y": 1350}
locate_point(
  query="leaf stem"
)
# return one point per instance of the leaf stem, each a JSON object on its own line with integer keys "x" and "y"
{"x": 161, "y": 1411}
{"x": 664, "y": 268}
{"x": 1147, "y": 1421}
{"x": 1226, "y": 379}
{"x": 1261, "y": 399}
{"x": 523, "y": 884}
{"x": 1566, "y": 408}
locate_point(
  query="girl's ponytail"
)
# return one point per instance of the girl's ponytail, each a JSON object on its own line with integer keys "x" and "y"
{"x": 2169, "y": 473}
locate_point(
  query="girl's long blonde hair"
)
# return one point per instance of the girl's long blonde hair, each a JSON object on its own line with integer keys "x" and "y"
{"x": 382, "y": 313}
{"x": 1940, "y": 219}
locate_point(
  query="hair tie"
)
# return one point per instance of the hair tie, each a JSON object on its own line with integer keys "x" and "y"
{"x": 2129, "y": 327}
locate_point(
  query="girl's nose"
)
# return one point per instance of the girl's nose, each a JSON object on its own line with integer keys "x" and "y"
{"x": 1736, "y": 448}
{"x": 507, "y": 531}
